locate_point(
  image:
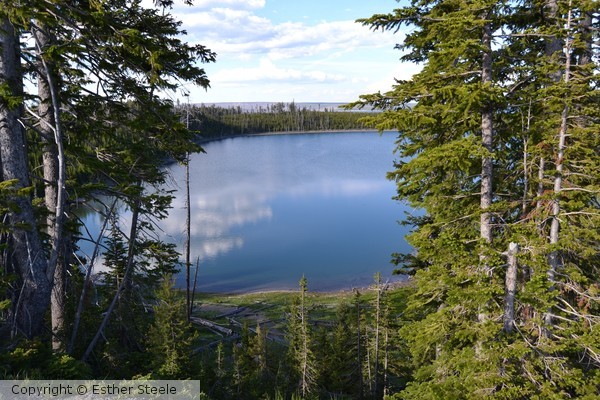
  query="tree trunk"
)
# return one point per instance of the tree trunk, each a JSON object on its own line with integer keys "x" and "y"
{"x": 194, "y": 285}
{"x": 54, "y": 180}
{"x": 487, "y": 139}
{"x": 187, "y": 238}
{"x": 511, "y": 287}
{"x": 187, "y": 220}
{"x": 554, "y": 260}
{"x": 540, "y": 189}
{"x": 377, "y": 329}
{"x": 27, "y": 256}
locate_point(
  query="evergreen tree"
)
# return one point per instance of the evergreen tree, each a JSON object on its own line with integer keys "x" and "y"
{"x": 484, "y": 153}
{"x": 116, "y": 136}
{"x": 300, "y": 353}
{"x": 27, "y": 256}
{"x": 170, "y": 336}
{"x": 243, "y": 365}
{"x": 341, "y": 354}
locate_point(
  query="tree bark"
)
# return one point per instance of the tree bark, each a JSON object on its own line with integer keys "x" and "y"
{"x": 554, "y": 260}
{"x": 379, "y": 288}
{"x": 194, "y": 286}
{"x": 487, "y": 139}
{"x": 540, "y": 188}
{"x": 187, "y": 239}
{"x": 511, "y": 287}
{"x": 187, "y": 222}
{"x": 54, "y": 181}
{"x": 27, "y": 256}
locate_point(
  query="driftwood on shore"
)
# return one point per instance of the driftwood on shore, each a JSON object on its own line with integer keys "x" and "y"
{"x": 212, "y": 325}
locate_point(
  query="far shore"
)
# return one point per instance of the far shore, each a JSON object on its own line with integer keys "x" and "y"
{"x": 203, "y": 140}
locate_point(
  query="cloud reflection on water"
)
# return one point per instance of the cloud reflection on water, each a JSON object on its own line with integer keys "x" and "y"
{"x": 243, "y": 191}
{"x": 215, "y": 214}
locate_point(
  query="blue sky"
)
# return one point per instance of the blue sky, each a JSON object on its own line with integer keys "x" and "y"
{"x": 301, "y": 50}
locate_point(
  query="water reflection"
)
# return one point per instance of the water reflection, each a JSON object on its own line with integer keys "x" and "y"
{"x": 266, "y": 210}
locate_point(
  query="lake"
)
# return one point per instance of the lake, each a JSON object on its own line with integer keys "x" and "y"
{"x": 266, "y": 210}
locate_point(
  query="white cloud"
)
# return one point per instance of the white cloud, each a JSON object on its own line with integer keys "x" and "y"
{"x": 268, "y": 71}
{"x": 236, "y": 31}
{"x": 236, "y": 4}
{"x": 259, "y": 59}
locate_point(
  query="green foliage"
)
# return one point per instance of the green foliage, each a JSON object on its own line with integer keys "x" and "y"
{"x": 170, "y": 336}
{"x": 453, "y": 330}
{"x": 35, "y": 360}
{"x": 300, "y": 352}
{"x": 105, "y": 62}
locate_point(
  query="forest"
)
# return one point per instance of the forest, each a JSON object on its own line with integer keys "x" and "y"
{"x": 212, "y": 121}
{"x": 498, "y": 148}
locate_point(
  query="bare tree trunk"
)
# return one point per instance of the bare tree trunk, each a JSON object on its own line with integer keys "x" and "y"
{"x": 552, "y": 46}
{"x": 27, "y": 256}
{"x": 305, "y": 385}
{"x": 487, "y": 139}
{"x": 54, "y": 180}
{"x": 511, "y": 287}
{"x": 188, "y": 238}
{"x": 525, "y": 177}
{"x": 554, "y": 256}
{"x": 187, "y": 222}
{"x": 386, "y": 349}
{"x": 377, "y": 329}
{"x": 195, "y": 282}
{"x": 526, "y": 171}
{"x": 540, "y": 188}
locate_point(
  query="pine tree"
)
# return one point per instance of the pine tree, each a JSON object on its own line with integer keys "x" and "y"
{"x": 300, "y": 353}
{"x": 115, "y": 138}
{"x": 170, "y": 336}
{"x": 243, "y": 365}
{"x": 484, "y": 152}
{"x": 28, "y": 258}
{"x": 341, "y": 354}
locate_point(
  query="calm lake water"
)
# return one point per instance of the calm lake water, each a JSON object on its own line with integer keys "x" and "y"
{"x": 266, "y": 210}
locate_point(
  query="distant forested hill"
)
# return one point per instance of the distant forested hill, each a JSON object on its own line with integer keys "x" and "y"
{"x": 228, "y": 119}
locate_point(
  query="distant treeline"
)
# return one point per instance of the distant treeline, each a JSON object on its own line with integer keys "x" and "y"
{"x": 214, "y": 121}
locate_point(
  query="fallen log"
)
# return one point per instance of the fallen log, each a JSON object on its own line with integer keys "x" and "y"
{"x": 212, "y": 325}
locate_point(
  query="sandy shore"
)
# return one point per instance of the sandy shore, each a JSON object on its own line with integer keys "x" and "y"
{"x": 391, "y": 285}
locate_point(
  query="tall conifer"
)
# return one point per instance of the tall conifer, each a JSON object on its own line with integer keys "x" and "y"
{"x": 482, "y": 146}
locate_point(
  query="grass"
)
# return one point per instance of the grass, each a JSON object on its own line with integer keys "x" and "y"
{"x": 270, "y": 308}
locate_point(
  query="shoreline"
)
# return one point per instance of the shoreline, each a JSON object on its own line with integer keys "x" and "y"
{"x": 400, "y": 283}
